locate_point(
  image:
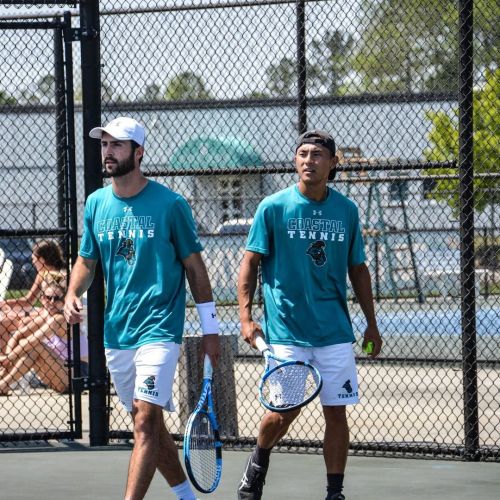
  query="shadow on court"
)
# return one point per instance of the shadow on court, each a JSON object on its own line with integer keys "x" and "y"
{"x": 78, "y": 472}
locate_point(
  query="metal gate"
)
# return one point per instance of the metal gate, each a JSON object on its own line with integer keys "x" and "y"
{"x": 38, "y": 203}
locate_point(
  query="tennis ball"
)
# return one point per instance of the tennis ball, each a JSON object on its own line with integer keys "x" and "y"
{"x": 368, "y": 349}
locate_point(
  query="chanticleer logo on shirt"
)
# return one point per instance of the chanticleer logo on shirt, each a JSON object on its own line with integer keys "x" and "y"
{"x": 317, "y": 253}
{"x": 126, "y": 250}
{"x": 348, "y": 388}
{"x": 148, "y": 386}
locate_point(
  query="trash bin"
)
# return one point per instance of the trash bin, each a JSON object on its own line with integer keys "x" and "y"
{"x": 223, "y": 385}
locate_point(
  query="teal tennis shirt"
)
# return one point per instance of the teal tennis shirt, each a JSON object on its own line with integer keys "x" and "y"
{"x": 307, "y": 248}
{"x": 141, "y": 242}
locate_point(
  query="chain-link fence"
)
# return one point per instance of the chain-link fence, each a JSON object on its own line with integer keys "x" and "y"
{"x": 36, "y": 349}
{"x": 410, "y": 92}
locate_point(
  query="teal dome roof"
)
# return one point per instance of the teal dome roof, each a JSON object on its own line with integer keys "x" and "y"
{"x": 217, "y": 153}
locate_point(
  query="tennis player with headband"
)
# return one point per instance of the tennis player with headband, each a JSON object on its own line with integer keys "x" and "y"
{"x": 145, "y": 237}
{"x": 307, "y": 239}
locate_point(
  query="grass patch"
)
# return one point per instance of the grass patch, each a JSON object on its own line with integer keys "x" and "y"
{"x": 15, "y": 294}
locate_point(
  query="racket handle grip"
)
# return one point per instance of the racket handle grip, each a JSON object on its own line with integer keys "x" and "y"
{"x": 207, "y": 367}
{"x": 261, "y": 344}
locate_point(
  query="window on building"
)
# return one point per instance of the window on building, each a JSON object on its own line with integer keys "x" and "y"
{"x": 231, "y": 198}
{"x": 398, "y": 191}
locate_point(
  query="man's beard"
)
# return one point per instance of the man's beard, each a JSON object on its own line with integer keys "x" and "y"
{"x": 120, "y": 168}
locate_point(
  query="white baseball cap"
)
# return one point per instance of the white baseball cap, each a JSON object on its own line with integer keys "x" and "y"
{"x": 123, "y": 129}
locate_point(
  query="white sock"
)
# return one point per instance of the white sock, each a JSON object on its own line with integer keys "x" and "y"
{"x": 184, "y": 491}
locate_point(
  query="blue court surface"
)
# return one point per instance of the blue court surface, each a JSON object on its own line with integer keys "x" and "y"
{"x": 75, "y": 472}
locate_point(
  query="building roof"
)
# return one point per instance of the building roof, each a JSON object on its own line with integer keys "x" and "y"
{"x": 216, "y": 153}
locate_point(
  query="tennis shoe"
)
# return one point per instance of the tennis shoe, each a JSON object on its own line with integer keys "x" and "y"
{"x": 252, "y": 482}
{"x": 335, "y": 496}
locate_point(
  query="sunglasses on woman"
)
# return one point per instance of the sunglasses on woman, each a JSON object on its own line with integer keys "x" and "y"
{"x": 53, "y": 298}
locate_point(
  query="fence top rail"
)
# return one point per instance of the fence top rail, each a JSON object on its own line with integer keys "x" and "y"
{"x": 288, "y": 167}
{"x": 38, "y": 15}
{"x": 229, "y": 4}
{"x": 15, "y": 4}
{"x": 275, "y": 167}
{"x": 144, "y": 10}
{"x": 270, "y": 102}
{"x": 202, "y": 104}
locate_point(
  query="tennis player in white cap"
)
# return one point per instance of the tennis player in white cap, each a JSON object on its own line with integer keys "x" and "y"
{"x": 145, "y": 237}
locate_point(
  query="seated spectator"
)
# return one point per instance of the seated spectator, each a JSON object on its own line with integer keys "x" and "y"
{"x": 41, "y": 346}
{"x": 14, "y": 313}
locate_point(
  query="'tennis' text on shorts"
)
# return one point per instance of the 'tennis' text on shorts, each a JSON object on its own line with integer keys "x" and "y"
{"x": 316, "y": 229}
{"x": 148, "y": 392}
{"x": 129, "y": 226}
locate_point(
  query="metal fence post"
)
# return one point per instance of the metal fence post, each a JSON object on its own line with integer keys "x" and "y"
{"x": 72, "y": 215}
{"x": 61, "y": 139}
{"x": 301, "y": 67}
{"x": 466, "y": 166}
{"x": 91, "y": 98}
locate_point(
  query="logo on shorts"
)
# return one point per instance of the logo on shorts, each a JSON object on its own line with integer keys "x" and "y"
{"x": 127, "y": 250}
{"x": 317, "y": 252}
{"x": 148, "y": 386}
{"x": 347, "y": 386}
{"x": 348, "y": 389}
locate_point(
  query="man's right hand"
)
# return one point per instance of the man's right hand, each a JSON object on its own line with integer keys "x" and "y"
{"x": 250, "y": 330}
{"x": 72, "y": 309}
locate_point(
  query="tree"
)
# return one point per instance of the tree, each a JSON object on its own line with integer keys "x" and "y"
{"x": 330, "y": 60}
{"x": 108, "y": 93}
{"x": 326, "y": 69}
{"x": 43, "y": 91}
{"x": 282, "y": 78}
{"x": 256, "y": 94}
{"x": 152, "y": 92}
{"x": 186, "y": 86}
{"x": 28, "y": 96}
{"x": 6, "y": 99}
{"x": 401, "y": 40}
{"x": 444, "y": 145}
{"x": 46, "y": 88}
{"x": 412, "y": 45}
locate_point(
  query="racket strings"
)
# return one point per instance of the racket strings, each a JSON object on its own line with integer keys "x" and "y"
{"x": 202, "y": 452}
{"x": 290, "y": 385}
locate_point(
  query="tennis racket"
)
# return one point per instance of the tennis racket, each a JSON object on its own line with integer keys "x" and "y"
{"x": 287, "y": 385}
{"x": 202, "y": 445}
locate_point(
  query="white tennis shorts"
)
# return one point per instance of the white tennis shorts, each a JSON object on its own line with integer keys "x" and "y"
{"x": 146, "y": 373}
{"x": 337, "y": 366}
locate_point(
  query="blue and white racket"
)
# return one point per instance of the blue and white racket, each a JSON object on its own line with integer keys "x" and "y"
{"x": 202, "y": 445}
{"x": 286, "y": 384}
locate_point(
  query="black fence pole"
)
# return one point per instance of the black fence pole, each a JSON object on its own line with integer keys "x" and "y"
{"x": 72, "y": 215}
{"x": 301, "y": 67}
{"x": 91, "y": 107}
{"x": 60, "y": 122}
{"x": 467, "y": 278}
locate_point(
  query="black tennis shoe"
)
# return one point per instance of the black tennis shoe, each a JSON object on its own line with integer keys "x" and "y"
{"x": 252, "y": 482}
{"x": 335, "y": 496}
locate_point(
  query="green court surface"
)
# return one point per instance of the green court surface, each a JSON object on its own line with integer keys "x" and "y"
{"x": 75, "y": 472}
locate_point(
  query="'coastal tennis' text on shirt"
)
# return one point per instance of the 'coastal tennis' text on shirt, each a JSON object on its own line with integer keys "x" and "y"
{"x": 129, "y": 226}
{"x": 316, "y": 229}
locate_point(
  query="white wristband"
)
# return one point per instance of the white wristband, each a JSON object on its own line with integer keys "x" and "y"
{"x": 208, "y": 318}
